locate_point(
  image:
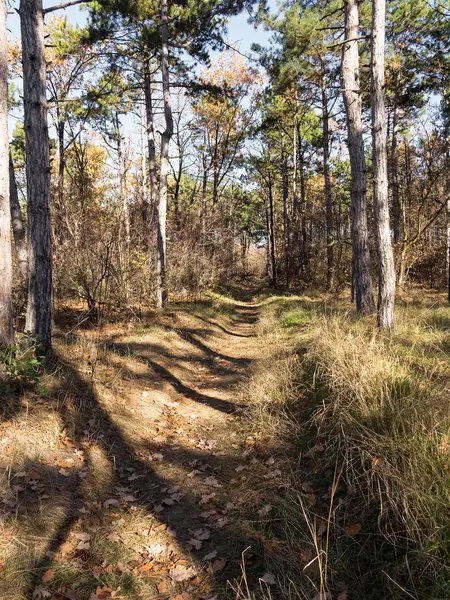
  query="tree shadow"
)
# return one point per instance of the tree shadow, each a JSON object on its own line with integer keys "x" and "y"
{"x": 222, "y": 328}
{"x": 189, "y": 335}
{"x": 88, "y": 420}
{"x": 180, "y": 387}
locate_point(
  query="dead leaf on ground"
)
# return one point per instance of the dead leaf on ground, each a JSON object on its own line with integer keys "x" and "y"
{"x": 211, "y": 555}
{"x": 353, "y": 529}
{"x": 163, "y": 587}
{"x": 194, "y": 544}
{"x": 206, "y": 498}
{"x": 265, "y": 510}
{"x": 48, "y": 575}
{"x": 218, "y": 565}
{"x": 181, "y": 573}
{"x": 268, "y": 578}
{"x": 272, "y": 474}
{"x": 155, "y": 549}
{"x": 213, "y": 482}
{"x": 202, "y": 534}
{"x": 40, "y": 592}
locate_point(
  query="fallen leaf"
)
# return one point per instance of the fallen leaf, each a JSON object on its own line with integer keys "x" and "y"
{"x": 113, "y": 537}
{"x": 111, "y": 502}
{"x": 211, "y": 555}
{"x": 83, "y": 546}
{"x": 272, "y": 474}
{"x": 156, "y": 549}
{"x": 308, "y": 488}
{"x": 268, "y": 578}
{"x": 40, "y": 592}
{"x": 219, "y": 565}
{"x": 163, "y": 587}
{"x": 205, "y": 499}
{"x": 213, "y": 482}
{"x": 202, "y": 534}
{"x": 311, "y": 499}
{"x": 145, "y": 567}
{"x": 265, "y": 510}
{"x": 48, "y": 575}
{"x": 193, "y": 543}
{"x": 353, "y": 528}
{"x": 181, "y": 573}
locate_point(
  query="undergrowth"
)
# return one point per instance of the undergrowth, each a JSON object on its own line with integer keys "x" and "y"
{"x": 366, "y": 419}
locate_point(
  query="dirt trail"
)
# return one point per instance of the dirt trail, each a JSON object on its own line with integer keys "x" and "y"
{"x": 154, "y": 449}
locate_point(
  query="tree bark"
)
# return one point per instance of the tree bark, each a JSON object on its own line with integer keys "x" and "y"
{"x": 150, "y": 125}
{"x": 286, "y": 223}
{"x": 396, "y": 209}
{"x": 6, "y": 317}
{"x": 161, "y": 297}
{"x": 40, "y": 290}
{"x": 144, "y": 186}
{"x": 18, "y": 224}
{"x": 272, "y": 235}
{"x": 362, "y": 277}
{"x": 447, "y": 194}
{"x": 328, "y": 190}
{"x": 386, "y": 268}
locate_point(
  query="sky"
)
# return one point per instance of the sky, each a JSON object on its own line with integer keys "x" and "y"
{"x": 239, "y": 31}
{"x": 240, "y": 34}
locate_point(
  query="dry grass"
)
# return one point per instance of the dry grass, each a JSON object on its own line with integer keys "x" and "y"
{"x": 375, "y": 413}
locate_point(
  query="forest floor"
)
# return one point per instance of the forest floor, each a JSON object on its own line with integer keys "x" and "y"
{"x": 121, "y": 469}
{"x": 246, "y": 446}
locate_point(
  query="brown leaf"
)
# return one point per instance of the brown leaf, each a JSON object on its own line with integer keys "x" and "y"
{"x": 272, "y": 474}
{"x": 48, "y": 575}
{"x": 353, "y": 529}
{"x": 265, "y": 510}
{"x": 211, "y": 555}
{"x": 219, "y": 565}
{"x": 182, "y": 573}
{"x": 163, "y": 587}
{"x": 202, "y": 534}
{"x": 113, "y": 537}
{"x": 193, "y": 543}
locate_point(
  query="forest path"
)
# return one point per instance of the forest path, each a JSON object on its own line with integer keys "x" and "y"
{"x": 141, "y": 481}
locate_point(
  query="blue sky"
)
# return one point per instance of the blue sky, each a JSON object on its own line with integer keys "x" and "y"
{"x": 239, "y": 31}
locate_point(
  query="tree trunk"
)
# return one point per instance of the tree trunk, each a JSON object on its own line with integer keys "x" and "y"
{"x": 286, "y": 224}
{"x": 362, "y": 277}
{"x": 396, "y": 210}
{"x": 328, "y": 191}
{"x": 144, "y": 186}
{"x": 18, "y": 224}
{"x": 272, "y": 235}
{"x": 386, "y": 268}
{"x": 61, "y": 163}
{"x": 6, "y": 318}
{"x": 40, "y": 290}
{"x": 161, "y": 297}
{"x": 304, "y": 234}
